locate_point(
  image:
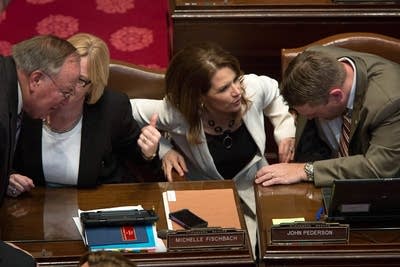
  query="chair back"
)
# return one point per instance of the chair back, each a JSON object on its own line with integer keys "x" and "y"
{"x": 136, "y": 81}
{"x": 378, "y": 44}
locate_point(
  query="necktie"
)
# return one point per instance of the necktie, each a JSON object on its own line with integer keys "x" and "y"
{"x": 18, "y": 128}
{"x": 345, "y": 137}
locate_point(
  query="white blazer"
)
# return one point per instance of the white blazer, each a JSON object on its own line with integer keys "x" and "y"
{"x": 264, "y": 94}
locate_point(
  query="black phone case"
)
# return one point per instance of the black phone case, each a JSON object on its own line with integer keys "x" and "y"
{"x": 187, "y": 219}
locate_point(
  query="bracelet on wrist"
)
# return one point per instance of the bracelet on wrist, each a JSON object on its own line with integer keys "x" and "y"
{"x": 149, "y": 158}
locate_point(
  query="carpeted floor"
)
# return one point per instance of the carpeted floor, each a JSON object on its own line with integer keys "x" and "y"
{"x": 135, "y": 30}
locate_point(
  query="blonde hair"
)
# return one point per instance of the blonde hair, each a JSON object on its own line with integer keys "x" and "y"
{"x": 98, "y": 57}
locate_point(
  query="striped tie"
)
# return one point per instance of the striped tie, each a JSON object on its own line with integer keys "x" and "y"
{"x": 345, "y": 137}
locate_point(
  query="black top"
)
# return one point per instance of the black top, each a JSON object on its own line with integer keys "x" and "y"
{"x": 231, "y": 151}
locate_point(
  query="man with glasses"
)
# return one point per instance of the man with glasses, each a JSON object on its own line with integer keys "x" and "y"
{"x": 95, "y": 131}
{"x": 39, "y": 77}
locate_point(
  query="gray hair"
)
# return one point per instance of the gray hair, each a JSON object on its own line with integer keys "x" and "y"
{"x": 44, "y": 52}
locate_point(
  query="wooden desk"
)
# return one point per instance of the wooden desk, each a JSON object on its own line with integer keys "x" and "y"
{"x": 41, "y": 223}
{"x": 366, "y": 248}
{"x": 256, "y": 30}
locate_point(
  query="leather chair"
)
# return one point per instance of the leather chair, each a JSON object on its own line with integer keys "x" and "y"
{"x": 382, "y": 45}
{"x": 136, "y": 81}
{"x": 139, "y": 82}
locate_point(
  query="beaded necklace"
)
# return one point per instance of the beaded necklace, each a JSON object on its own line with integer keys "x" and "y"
{"x": 227, "y": 140}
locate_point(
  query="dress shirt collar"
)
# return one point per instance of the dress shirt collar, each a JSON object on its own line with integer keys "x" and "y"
{"x": 19, "y": 100}
{"x": 350, "y": 101}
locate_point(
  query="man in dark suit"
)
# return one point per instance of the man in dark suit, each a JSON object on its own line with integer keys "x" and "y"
{"x": 341, "y": 93}
{"x": 38, "y": 78}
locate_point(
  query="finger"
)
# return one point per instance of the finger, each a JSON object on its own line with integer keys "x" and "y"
{"x": 169, "y": 173}
{"x": 270, "y": 182}
{"x": 284, "y": 157}
{"x": 178, "y": 169}
{"x": 166, "y": 166}
{"x": 267, "y": 179}
{"x": 26, "y": 183}
{"x": 262, "y": 178}
{"x": 292, "y": 156}
{"x": 153, "y": 120}
{"x": 182, "y": 163}
{"x": 27, "y": 186}
{"x": 264, "y": 170}
{"x": 18, "y": 187}
{"x": 143, "y": 142}
{"x": 151, "y": 133}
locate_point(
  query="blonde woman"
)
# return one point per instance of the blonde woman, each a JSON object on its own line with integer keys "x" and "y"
{"x": 86, "y": 141}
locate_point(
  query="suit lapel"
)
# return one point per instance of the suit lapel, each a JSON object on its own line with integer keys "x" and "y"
{"x": 12, "y": 82}
{"x": 361, "y": 85}
{"x": 91, "y": 133}
{"x": 85, "y": 175}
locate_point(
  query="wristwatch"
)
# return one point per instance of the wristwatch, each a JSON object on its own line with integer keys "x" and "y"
{"x": 309, "y": 170}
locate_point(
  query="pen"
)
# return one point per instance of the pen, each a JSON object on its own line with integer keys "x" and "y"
{"x": 319, "y": 213}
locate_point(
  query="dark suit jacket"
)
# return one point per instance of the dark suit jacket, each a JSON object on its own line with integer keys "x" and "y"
{"x": 374, "y": 146}
{"x": 8, "y": 118}
{"x": 9, "y": 256}
{"x": 109, "y": 137}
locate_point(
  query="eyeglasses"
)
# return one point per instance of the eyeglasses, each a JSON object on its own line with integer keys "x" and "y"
{"x": 82, "y": 82}
{"x": 65, "y": 93}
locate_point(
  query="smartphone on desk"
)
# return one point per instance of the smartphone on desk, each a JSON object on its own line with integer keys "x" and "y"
{"x": 187, "y": 219}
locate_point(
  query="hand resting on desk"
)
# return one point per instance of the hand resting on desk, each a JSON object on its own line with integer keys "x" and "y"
{"x": 173, "y": 165}
{"x": 281, "y": 173}
{"x": 18, "y": 184}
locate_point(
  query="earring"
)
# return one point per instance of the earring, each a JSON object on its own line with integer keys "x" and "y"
{"x": 201, "y": 109}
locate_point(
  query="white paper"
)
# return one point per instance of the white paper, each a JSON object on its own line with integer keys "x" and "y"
{"x": 166, "y": 208}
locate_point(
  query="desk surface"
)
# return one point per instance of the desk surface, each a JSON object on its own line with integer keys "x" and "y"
{"x": 377, "y": 248}
{"x": 41, "y": 222}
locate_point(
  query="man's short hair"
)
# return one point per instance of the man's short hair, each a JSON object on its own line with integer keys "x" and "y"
{"x": 309, "y": 77}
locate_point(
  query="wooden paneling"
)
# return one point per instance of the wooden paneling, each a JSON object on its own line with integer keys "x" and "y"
{"x": 255, "y": 31}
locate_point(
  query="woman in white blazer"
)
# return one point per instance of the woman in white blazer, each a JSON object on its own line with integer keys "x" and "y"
{"x": 215, "y": 117}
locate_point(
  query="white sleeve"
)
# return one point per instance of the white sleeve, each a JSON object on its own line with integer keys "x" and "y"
{"x": 266, "y": 94}
{"x": 143, "y": 109}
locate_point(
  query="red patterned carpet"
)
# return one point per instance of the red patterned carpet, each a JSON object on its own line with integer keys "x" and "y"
{"x": 135, "y": 30}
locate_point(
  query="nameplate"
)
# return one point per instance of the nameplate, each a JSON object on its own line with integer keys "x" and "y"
{"x": 310, "y": 232}
{"x": 211, "y": 238}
